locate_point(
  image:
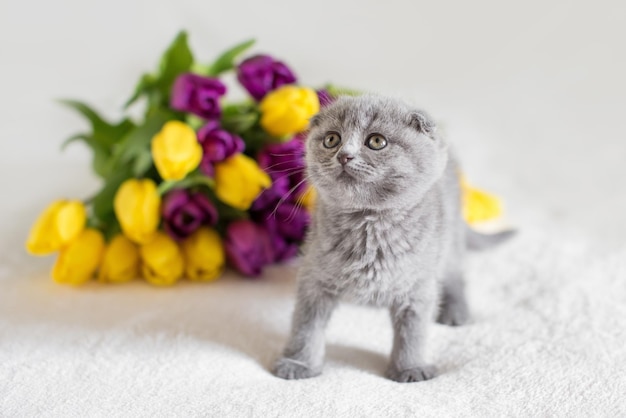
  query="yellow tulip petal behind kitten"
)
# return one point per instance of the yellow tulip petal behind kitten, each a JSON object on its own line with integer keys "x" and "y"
{"x": 287, "y": 110}
{"x": 239, "y": 180}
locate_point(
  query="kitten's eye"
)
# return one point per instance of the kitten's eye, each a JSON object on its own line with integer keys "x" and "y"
{"x": 331, "y": 140}
{"x": 376, "y": 142}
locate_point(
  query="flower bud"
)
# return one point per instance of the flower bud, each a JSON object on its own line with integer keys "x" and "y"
{"x": 204, "y": 255}
{"x": 175, "y": 150}
{"x": 239, "y": 180}
{"x": 57, "y": 226}
{"x": 248, "y": 247}
{"x": 120, "y": 262}
{"x": 287, "y": 111}
{"x": 261, "y": 74}
{"x": 162, "y": 260}
{"x": 198, "y": 95}
{"x": 137, "y": 205}
{"x": 78, "y": 261}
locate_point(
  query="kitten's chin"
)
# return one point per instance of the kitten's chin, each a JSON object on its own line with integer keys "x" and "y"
{"x": 346, "y": 177}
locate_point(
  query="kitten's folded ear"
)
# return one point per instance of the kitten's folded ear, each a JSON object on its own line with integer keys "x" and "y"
{"x": 422, "y": 122}
{"x": 315, "y": 121}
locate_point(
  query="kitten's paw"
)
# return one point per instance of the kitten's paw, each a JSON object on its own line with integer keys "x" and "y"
{"x": 290, "y": 369}
{"x": 453, "y": 313}
{"x": 414, "y": 374}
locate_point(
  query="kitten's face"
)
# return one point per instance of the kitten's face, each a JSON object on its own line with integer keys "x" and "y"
{"x": 371, "y": 152}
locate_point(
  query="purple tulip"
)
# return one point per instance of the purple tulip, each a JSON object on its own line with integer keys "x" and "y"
{"x": 217, "y": 145}
{"x": 248, "y": 247}
{"x": 270, "y": 197}
{"x": 286, "y": 226}
{"x": 285, "y": 161}
{"x": 261, "y": 74}
{"x": 283, "y": 249}
{"x": 184, "y": 212}
{"x": 324, "y": 97}
{"x": 198, "y": 95}
{"x": 292, "y": 221}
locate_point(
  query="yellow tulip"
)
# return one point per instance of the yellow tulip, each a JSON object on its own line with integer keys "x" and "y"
{"x": 287, "y": 110}
{"x": 478, "y": 205}
{"x": 78, "y": 261}
{"x": 239, "y": 180}
{"x": 175, "y": 150}
{"x": 307, "y": 199}
{"x": 204, "y": 255}
{"x": 120, "y": 262}
{"x": 58, "y": 225}
{"x": 137, "y": 205}
{"x": 162, "y": 260}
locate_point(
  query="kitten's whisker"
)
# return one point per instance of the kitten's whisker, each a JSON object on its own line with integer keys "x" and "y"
{"x": 288, "y": 175}
{"x": 286, "y": 196}
{"x": 278, "y": 163}
{"x": 294, "y": 170}
{"x": 286, "y": 155}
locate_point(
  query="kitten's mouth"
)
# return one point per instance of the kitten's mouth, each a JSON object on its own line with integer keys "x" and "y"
{"x": 346, "y": 175}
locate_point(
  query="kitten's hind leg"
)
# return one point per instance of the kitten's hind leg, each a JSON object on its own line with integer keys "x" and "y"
{"x": 303, "y": 356}
{"x": 453, "y": 308}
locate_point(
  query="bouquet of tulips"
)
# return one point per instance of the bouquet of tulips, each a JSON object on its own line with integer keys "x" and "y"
{"x": 199, "y": 182}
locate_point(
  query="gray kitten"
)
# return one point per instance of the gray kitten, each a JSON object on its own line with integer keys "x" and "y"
{"x": 387, "y": 231}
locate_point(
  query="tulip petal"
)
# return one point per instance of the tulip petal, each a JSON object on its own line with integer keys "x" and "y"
{"x": 58, "y": 225}
{"x": 175, "y": 150}
{"x": 120, "y": 262}
{"x": 78, "y": 262}
{"x": 162, "y": 260}
{"x": 204, "y": 255}
{"x": 137, "y": 207}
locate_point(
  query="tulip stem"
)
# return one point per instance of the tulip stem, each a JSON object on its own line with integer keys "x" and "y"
{"x": 166, "y": 186}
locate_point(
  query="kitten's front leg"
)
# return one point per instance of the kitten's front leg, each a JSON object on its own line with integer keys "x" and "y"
{"x": 303, "y": 356}
{"x": 410, "y": 319}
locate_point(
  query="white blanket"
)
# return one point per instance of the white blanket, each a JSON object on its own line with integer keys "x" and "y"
{"x": 547, "y": 339}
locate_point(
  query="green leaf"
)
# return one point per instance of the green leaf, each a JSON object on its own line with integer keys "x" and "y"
{"x": 103, "y": 132}
{"x": 146, "y": 82}
{"x": 177, "y": 59}
{"x": 239, "y": 117}
{"x": 142, "y": 164}
{"x": 101, "y": 159}
{"x": 72, "y": 139}
{"x": 103, "y": 201}
{"x": 194, "y": 121}
{"x": 226, "y": 61}
{"x": 239, "y": 123}
{"x": 336, "y": 91}
{"x": 137, "y": 141}
{"x": 101, "y": 162}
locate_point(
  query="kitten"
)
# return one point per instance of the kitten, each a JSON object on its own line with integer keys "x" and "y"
{"x": 386, "y": 231}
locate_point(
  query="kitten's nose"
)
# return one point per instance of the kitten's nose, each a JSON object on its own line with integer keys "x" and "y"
{"x": 344, "y": 158}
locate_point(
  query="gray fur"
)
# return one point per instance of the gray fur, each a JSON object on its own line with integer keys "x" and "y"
{"x": 387, "y": 231}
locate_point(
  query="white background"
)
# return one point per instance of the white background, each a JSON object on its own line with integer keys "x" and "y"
{"x": 532, "y": 93}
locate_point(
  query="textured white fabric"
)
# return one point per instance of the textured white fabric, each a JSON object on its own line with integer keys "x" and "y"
{"x": 547, "y": 339}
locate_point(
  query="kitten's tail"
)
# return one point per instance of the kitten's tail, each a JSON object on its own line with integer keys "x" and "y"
{"x": 478, "y": 242}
